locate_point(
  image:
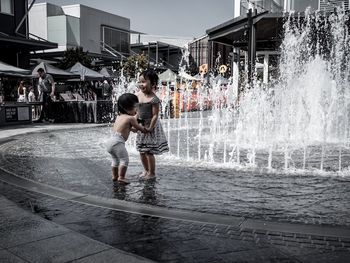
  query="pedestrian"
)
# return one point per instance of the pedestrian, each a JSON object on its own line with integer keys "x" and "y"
{"x": 46, "y": 89}
{"x": 31, "y": 95}
{"x": 154, "y": 142}
{"x": 21, "y": 92}
{"x": 125, "y": 122}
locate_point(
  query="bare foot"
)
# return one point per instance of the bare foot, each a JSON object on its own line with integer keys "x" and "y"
{"x": 143, "y": 174}
{"x": 123, "y": 181}
{"x": 114, "y": 179}
{"x": 150, "y": 176}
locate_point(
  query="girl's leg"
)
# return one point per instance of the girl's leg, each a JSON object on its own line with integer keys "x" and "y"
{"x": 151, "y": 166}
{"x": 144, "y": 162}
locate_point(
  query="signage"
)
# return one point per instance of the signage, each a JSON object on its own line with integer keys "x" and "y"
{"x": 23, "y": 113}
{"x": 11, "y": 114}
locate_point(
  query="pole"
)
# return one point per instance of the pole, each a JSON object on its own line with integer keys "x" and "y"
{"x": 251, "y": 46}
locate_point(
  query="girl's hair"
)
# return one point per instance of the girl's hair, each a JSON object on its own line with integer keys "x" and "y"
{"x": 151, "y": 75}
{"x": 126, "y": 102}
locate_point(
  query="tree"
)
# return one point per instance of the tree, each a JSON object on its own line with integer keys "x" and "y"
{"x": 74, "y": 55}
{"x": 135, "y": 63}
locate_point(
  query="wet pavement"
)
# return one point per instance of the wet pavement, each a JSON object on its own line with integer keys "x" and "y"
{"x": 76, "y": 160}
{"x": 197, "y": 218}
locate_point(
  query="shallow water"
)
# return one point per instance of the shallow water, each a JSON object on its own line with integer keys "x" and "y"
{"x": 76, "y": 160}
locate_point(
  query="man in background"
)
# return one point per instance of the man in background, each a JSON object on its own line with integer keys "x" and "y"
{"x": 46, "y": 87}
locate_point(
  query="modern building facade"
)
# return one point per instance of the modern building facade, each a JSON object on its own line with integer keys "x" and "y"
{"x": 278, "y": 6}
{"x": 15, "y": 40}
{"x": 255, "y": 31}
{"x": 164, "y": 52}
{"x": 105, "y": 36}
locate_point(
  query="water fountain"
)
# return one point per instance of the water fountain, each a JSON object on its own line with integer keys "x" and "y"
{"x": 300, "y": 122}
{"x": 274, "y": 154}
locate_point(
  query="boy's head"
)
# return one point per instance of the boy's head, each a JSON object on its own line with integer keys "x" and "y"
{"x": 151, "y": 75}
{"x": 127, "y": 104}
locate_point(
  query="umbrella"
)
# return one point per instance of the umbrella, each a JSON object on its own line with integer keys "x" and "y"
{"x": 107, "y": 73}
{"x": 54, "y": 71}
{"x": 8, "y": 70}
{"x": 184, "y": 75}
{"x": 167, "y": 76}
{"x": 84, "y": 72}
{"x": 221, "y": 79}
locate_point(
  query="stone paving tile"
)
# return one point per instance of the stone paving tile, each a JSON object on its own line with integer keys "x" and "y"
{"x": 341, "y": 257}
{"x": 63, "y": 248}
{"x": 258, "y": 255}
{"x": 8, "y": 257}
{"x": 165, "y": 240}
{"x": 110, "y": 255}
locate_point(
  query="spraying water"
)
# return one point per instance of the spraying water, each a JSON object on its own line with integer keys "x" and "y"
{"x": 299, "y": 122}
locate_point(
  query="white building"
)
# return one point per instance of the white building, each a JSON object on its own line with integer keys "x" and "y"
{"x": 164, "y": 52}
{"x": 98, "y": 32}
{"x": 278, "y": 6}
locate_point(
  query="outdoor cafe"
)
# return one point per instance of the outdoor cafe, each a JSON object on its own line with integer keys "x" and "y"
{"x": 81, "y": 94}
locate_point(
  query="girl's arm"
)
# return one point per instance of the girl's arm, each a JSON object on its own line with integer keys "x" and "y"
{"x": 136, "y": 126}
{"x": 155, "y": 113}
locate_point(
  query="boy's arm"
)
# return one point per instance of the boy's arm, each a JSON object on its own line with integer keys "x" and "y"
{"x": 135, "y": 126}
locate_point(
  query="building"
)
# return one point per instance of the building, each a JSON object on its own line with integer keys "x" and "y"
{"x": 211, "y": 53}
{"x": 255, "y": 31}
{"x": 16, "y": 43}
{"x": 164, "y": 52}
{"x": 105, "y": 36}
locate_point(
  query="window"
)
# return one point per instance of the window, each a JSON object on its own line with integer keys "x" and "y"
{"x": 301, "y": 5}
{"x": 6, "y": 6}
{"x": 117, "y": 39}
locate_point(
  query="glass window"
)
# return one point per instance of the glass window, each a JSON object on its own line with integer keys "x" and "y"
{"x": 124, "y": 42}
{"x": 116, "y": 39}
{"x": 6, "y": 6}
{"x": 301, "y": 5}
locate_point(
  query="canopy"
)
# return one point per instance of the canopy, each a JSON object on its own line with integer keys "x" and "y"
{"x": 8, "y": 70}
{"x": 84, "y": 72}
{"x": 54, "y": 71}
{"x": 186, "y": 76}
{"x": 221, "y": 79}
{"x": 167, "y": 76}
{"x": 107, "y": 73}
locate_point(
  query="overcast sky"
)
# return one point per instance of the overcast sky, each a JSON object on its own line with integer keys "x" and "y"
{"x": 188, "y": 18}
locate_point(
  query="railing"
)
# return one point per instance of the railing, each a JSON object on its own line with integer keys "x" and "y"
{"x": 36, "y": 109}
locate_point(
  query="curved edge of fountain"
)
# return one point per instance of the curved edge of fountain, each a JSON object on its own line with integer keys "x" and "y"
{"x": 245, "y": 224}
{"x": 115, "y": 204}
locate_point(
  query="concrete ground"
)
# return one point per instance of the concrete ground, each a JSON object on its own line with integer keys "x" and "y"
{"x": 46, "y": 222}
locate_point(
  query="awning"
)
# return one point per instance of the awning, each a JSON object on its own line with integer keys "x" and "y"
{"x": 9, "y": 70}
{"x": 167, "y": 76}
{"x": 54, "y": 71}
{"x": 107, "y": 73}
{"x": 235, "y": 32}
{"x": 84, "y": 72}
{"x": 22, "y": 43}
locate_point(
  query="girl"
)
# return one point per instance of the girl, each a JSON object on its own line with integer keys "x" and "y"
{"x": 124, "y": 123}
{"x": 21, "y": 92}
{"x": 154, "y": 142}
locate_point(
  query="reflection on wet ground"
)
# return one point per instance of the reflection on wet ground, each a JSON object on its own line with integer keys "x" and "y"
{"x": 76, "y": 160}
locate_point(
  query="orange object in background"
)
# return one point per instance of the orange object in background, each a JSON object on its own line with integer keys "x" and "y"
{"x": 176, "y": 104}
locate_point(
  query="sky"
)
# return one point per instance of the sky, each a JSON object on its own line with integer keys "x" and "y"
{"x": 183, "y": 18}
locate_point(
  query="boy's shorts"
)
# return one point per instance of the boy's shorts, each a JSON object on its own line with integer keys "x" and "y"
{"x": 116, "y": 148}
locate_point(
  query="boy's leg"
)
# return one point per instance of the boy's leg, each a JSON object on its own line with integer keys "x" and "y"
{"x": 122, "y": 171}
{"x": 151, "y": 162}
{"x": 114, "y": 173}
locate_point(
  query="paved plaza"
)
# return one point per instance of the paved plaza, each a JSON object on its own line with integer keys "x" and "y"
{"x": 60, "y": 208}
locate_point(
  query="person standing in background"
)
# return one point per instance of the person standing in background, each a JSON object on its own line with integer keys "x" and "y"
{"x": 46, "y": 87}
